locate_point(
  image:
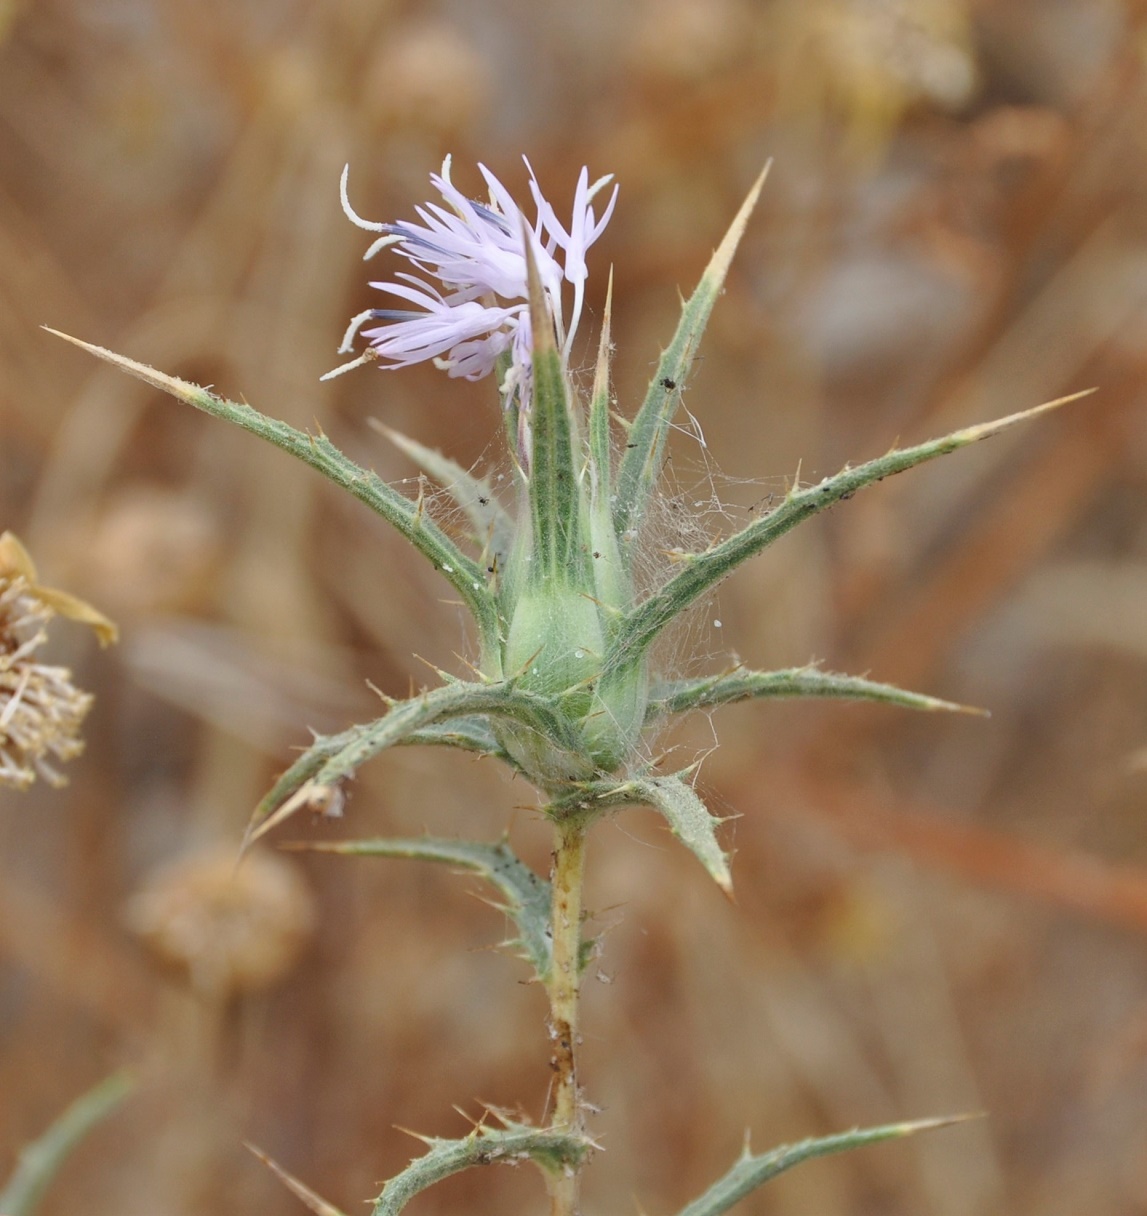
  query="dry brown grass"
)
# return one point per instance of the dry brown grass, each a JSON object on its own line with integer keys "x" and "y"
{"x": 934, "y": 914}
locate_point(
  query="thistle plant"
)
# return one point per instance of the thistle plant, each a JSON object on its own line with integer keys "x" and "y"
{"x": 565, "y": 686}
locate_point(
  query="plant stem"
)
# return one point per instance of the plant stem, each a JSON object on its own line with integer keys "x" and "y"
{"x": 569, "y": 863}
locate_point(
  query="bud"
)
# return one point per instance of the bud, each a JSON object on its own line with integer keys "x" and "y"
{"x": 553, "y": 648}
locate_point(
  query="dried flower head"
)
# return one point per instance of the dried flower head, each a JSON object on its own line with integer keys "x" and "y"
{"x": 228, "y": 928}
{"x": 41, "y": 711}
{"x": 479, "y": 311}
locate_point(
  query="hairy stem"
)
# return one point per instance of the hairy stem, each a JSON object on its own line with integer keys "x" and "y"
{"x": 569, "y": 863}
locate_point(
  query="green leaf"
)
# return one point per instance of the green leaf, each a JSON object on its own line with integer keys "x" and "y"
{"x": 409, "y": 518}
{"x": 466, "y": 734}
{"x": 39, "y": 1162}
{"x": 458, "y": 699}
{"x": 699, "y": 573}
{"x": 689, "y": 819}
{"x": 553, "y": 1151}
{"x": 809, "y": 681}
{"x": 492, "y": 526}
{"x": 645, "y": 449}
{"x": 313, "y": 780}
{"x": 273, "y": 806}
{"x": 751, "y": 1172}
{"x": 527, "y": 897}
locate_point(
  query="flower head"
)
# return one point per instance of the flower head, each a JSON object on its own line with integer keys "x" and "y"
{"x": 478, "y": 310}
{"x": 41, "y": 711}
{"x": 229, "y": 929}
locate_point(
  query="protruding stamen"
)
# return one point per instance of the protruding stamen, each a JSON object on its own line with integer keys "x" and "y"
{"x": 350, "y": 212}
{"x": 368, "y": 356}
{"x": 383, "y": 242}
{"x": 356, "y": 323}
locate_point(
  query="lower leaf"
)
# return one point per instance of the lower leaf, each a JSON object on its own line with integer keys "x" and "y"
{"x": 527, "y": 897}
{"x": 552, "y": 1151}
{"x": 751, "y": 1171}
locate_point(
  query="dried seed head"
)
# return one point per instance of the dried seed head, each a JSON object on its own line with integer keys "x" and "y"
{"x": 228, "y": 927}
{"x": 41, "y": 711}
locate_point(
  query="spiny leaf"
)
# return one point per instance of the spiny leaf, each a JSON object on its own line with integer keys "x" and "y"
{"x": 315, "y": 1202}
{"x": 689, "y": 819}
{"x": 316, "y": 774}
{"x": 491, "y": 524}
{"x": 751, "y": 1172}
{"x": 464, "y": 575}
{"x": 39, "y": 1162}
{"x": 466, "y": 734}
{"x": 460, "y": 699}
{"x": 808, "y": 681}
{"x": 552, "y": 1151}
{"x": 527, "y": 896}
{"x": 701, "y": 572}
{"x": 641, "y": 465}
{"x": 269, "y": 810}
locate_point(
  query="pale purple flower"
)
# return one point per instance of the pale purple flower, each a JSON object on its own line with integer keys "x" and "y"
{"x": 584, "y": 230}
{"x": 478, "y": 309}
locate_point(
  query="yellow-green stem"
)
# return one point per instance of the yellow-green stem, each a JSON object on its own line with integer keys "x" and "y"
{"x": 569, "y": 863}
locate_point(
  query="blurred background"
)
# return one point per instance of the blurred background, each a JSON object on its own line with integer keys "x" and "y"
{"x": 935, "y": 914}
